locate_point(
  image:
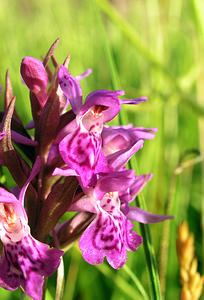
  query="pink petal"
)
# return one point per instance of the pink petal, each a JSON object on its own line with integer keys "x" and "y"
{"x": 84, "y": 74}
{"x": 71, "y": 88}
{"x": 107, "y": 99}
{"x": 142, "y": 216}
{"x": 138, "y": 185}
{"x": 109, "y": 235}
{"x": 18, "y": 138}
{"x": 134, "y": 101}
{"x": 64, "y": 172}
{"x": 114, "y": 182}
{"x": 80, "y": 151}
{"x": 120, "y": 158}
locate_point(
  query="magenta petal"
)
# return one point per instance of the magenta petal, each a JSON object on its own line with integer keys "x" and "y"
{"x": 64, "y": 172}
{"x": 90, "y": 253}
{"x": 133, "y": 239}
{"x": 6, "y": 196}
{"x": 25, "y": 263}
{"x": 117, "y": 138}
{"x": 84, "y": 74}
{"x": 134, "y": 101}
{"x": 110, "y": 235}
{"x": 80, "y": 151}
{"x": 18, "y": 138}
{"x": 139, "y": 184}
{"x": 114, "y": 182}
{"x": 69, "y": 128}
{"x": 102, "y": 164}
{"x": 117, "y": 260}
{"x": 9, "y": 198}
{"x": 144, "y": 133}
{"x": 83, "y": 204}
{"x": 136, "y": 187}
{"x": 120, "y": 158}
{"x": 8, "y": 280}
{"x": 71, "y": 88}
{"x": 142, "y": 216}
{"x": 107, "y": 99}
{"x": 47, "y": 259}
{"x": 34, "y": 286}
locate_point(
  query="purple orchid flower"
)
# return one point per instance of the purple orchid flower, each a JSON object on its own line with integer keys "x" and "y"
{"x": 116, "y": 138}
{"x": 122, "y": 142}
{"x": 139, "y": 182}
{"x": 110, "y": 234}
{"x": 78, "y": 143}
{"x": 81, "y": 145}
{"x": 25, "y": 261}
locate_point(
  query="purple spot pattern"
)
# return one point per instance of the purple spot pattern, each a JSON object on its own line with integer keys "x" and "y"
{"x": 80, "y": 151}
{"x": 71, "y": 88}
{"x": 110, "y": 235}
{"x": 67, "y": 84}
{"x": 25, "y": 263}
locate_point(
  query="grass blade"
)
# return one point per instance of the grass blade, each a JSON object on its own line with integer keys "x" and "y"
{"x": 60, "y": 281}
{"x": 119, "y": 282}
{"x": 136, "y": 282}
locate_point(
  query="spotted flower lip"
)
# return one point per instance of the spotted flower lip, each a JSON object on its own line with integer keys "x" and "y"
{"x": 110, "y": 234}
{"x": 25, "y": 261}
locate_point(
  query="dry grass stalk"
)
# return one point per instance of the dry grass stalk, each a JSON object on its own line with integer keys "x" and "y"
{"x": 191, "y": 281}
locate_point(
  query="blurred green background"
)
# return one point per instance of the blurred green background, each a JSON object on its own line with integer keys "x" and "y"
{"x": 146, "y": 47}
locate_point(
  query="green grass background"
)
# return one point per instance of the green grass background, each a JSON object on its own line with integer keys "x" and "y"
{"x": 146, "y": 47}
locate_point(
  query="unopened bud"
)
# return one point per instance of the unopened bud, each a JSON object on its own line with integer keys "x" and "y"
{"x": 35, "y": 77}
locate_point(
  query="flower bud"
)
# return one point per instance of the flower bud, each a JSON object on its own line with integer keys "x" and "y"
{"x": 35, "y": 77}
